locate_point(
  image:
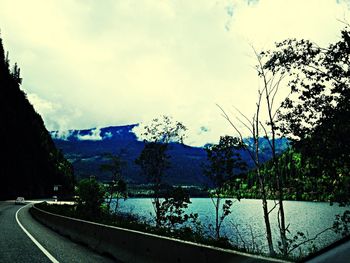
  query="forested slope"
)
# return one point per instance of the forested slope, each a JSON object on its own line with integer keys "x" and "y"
{"x": 30, "y": 164}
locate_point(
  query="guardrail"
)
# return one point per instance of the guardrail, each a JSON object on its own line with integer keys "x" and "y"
{"x": 138, "y": 247}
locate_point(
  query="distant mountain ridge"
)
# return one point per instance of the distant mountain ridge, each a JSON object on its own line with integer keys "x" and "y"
{"x": 96, "y": 134}
{"x": 86, "y": 149}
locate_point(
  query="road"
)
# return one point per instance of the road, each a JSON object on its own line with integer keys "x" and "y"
{"x": 17, "y": 247}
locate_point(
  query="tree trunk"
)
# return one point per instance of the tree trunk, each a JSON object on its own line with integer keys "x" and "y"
{"x": 217, "y": 227}
{"x": 109, "y": 201}
{"x": 266, "y": 215}
{"x": 281, "y": 217}
{"x": 156, "y": 202}
{"x": 283, "y": 228}
{"x": 279, "y": 183}
{"x": 262, "y": 183}
{"x": 116, "y": 203}
{"x": 281, "y": 220}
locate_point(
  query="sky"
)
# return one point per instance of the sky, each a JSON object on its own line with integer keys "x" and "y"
{"x": 93, "y": 63}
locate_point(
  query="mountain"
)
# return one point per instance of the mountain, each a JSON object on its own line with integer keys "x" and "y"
{"x": 30, "y": 164}
{"x": 86, "y": 149}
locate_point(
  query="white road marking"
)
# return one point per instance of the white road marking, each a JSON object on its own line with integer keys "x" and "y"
{"x": 46, "y": 253}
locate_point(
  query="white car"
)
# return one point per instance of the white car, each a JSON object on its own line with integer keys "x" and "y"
{"x": 20, "y": 200}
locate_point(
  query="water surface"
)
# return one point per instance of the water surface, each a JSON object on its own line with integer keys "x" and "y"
{"x": 246, "y": 225}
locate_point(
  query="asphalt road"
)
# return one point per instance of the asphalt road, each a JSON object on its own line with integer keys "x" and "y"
{"x": 17, "y": 247}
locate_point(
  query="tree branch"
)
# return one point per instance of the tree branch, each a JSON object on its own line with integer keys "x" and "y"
{"x": 273, "y": 207}
{"x": 309, "y": 239}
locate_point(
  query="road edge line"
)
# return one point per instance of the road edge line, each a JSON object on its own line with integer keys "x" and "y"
{"x": 46, "y": 253}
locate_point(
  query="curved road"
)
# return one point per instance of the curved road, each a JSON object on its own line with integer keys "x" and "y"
{"x": 17, "y": 247}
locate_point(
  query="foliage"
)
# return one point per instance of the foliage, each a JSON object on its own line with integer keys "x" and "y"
{"x": 315, "y": 118}
{"x": 223, "y": 161}
{"x": 316, "y": 115}
{"x": 298, "y": 184}
{"x": 172, "y": 209}
{"x": 117, "y": 187}
{"x": 342, "y": 224}
{"x": 164, "y": 130}
{"x": 90, "y": 198}
{"x": 153, "y": 162}
{"x": 153, "y": 159}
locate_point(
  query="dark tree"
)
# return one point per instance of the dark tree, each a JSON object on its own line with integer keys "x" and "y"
{"x": 90, "y": 198}
{"x": 316, "y": 115}
{"x": 172, "y": 208}
{"x": 117, "y": 187}
{"x": 223, "y": 163}
{"x": 153, "y": 159}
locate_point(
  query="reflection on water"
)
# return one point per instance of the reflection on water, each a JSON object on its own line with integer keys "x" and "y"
{"x": 247, "y": 216}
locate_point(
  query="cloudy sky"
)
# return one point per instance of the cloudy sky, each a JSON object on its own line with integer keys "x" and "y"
{"x": 93, "y": 63}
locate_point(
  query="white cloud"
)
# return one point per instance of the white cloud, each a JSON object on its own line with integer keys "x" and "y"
{"x": 61, "y": 134}
{"x": 271, "y": 21}
{"x": 92, "y": 64}
{"x": 42, "y": 105}
{"x": 94, "y": 135}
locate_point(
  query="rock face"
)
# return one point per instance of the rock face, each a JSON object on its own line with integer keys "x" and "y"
{"x": 30, "y": 164}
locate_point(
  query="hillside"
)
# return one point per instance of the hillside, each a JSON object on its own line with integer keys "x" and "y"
{"x": 86, "y": 149}
{"x": 30, "y": 164}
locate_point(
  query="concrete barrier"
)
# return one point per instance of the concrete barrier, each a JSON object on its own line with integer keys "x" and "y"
{"x": 137, "y": 247}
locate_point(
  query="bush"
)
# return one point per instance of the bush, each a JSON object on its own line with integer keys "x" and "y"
{"x": 90, "y": 198}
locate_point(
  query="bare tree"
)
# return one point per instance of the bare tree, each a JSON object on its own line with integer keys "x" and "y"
{"x": 254, "y": 125}
{"x": 271, "y": 86}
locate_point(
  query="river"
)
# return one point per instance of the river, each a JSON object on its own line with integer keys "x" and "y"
{"x": 247, "y": 219}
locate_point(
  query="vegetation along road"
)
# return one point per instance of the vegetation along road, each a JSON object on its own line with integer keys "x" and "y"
{"x": 25, "y": 240}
